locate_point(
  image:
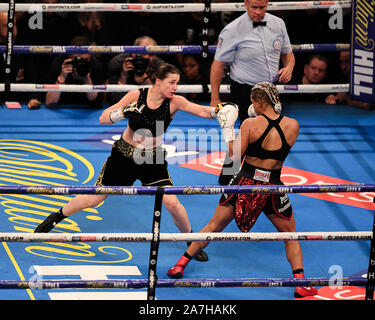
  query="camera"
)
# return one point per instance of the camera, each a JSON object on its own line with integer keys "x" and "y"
{"x": 81, "y": 65}
{"x": 140, "y": 65}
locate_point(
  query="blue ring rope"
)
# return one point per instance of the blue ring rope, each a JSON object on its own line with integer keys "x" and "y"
{"x": 186, "y": 190}
{"x": 168, "y": 283}
{"x": 163, "y": 49}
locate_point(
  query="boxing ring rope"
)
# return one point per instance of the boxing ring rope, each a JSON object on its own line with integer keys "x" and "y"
{"x": 169, "y": 283}
{"x": 186, "y": 7}
{"x": 171, "y": 7}
{"x": 301, "y": 88}
{"x": 162, "y": 49}
{"x": 192, "y": 88}
{"x": 156, "y": 237}
{"x": 176, "y": 237}
{"x": 287, "y": 88}
{"x": 187, "y": 190}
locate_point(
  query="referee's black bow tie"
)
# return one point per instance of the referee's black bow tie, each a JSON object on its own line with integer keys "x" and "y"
{"x": 262, "y": 23}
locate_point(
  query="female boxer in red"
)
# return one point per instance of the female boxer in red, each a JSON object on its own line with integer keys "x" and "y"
{"x": 264, "y": 141}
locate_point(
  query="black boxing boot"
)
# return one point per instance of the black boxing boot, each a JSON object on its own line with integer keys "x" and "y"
{"x": 201, "y": 255}
{"x": 52, "y": 220}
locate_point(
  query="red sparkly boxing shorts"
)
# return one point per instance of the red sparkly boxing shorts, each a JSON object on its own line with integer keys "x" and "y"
{"x": 248, "y": 206}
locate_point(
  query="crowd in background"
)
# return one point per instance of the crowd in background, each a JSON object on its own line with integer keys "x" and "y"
{"x": 145, "y": 28}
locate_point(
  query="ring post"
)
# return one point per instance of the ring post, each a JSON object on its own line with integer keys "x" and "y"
{"x": 206, "y": 19}
{"x": 9, "y": 52}
{"x": 371, "y": 267}
{"x": 152, "y": 277}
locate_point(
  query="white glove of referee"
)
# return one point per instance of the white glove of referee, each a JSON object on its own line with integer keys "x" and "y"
{"x": 226, "y": 114}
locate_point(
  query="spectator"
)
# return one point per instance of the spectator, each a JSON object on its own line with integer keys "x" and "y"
{"x": 94, "y": 25}
{"x": 322, "y": 30}
{"x": 344, "y": 62}
{"x": 91, "y": 24}
{"x": 195, "y": 72}
{"x": 227, "y": 17}
{"x": 344, "y": 77}
{"x": 23, "y": 69}
{"x": 188, "y": 30}
{"x": 75, "y": 69}
{"x": 156, "y": 25}
{"x": 190, "y": 27}
{"x": 315, "y": 71}
{"x": 123, "y": 70}
{"x": 44, "y": 28}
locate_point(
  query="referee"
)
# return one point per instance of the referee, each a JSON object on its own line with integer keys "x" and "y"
{"x": 253, "y": 45}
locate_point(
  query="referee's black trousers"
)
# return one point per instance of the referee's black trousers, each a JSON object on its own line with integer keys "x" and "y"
{"x": 240, "y": 95}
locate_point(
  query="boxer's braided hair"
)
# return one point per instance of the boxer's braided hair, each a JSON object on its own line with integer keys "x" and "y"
{"x": 272, "y": 93}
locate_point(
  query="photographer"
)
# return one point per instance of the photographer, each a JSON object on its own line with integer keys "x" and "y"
{"x": 132, "y": 68}
{"x": 75, "y": 69}
{"x": 135, "y": 70}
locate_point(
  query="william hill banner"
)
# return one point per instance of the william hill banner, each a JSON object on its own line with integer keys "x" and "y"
{"x": 362, "y": 81}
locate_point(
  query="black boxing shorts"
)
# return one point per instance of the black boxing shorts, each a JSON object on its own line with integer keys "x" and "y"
{"x": 248, "y": 206}
{"x": 126, "y": 164}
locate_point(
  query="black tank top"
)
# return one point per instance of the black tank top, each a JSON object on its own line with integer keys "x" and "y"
{"x": 255, "y": 149}
{"x": 155, "y": 121}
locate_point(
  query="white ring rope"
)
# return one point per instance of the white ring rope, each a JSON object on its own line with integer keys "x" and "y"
{"x": 193, "y": 88}
{"x": 171, "y": 7}
{"x": 174, "y": 237}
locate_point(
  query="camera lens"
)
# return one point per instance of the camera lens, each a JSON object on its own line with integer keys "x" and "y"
{"x": 81, "y": 66}
{"x": 140, "y": 65}
{"x": 82, "y": 69}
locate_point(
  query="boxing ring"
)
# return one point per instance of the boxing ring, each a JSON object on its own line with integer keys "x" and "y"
{"x": 155, "y": 237}
{"x": 153, "y": 282}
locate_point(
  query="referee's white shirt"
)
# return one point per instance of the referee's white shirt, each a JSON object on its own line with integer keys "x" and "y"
{"x": 253, "y": 53}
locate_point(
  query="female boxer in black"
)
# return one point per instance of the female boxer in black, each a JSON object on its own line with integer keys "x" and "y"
{"x": 138, "y": 153}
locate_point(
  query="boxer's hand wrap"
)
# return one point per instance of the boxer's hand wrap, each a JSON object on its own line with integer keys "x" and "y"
{"x": 226, "y": 114}
{"x": 127, "y": 111}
